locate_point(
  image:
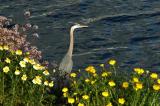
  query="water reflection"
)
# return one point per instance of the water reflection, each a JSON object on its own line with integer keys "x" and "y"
{"x": 130, "y": 28}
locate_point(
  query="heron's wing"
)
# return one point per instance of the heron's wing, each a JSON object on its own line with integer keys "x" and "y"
{"x": 66, "y": 65}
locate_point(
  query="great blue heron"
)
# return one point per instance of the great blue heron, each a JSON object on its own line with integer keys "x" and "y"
{"x": 67, "y": 63}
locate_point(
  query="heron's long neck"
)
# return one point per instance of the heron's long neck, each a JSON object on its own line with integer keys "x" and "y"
{"x": 70, "y": 50}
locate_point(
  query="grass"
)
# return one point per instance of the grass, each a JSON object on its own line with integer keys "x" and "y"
{"x": 25, "y": 82}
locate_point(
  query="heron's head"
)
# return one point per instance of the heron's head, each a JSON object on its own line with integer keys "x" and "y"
{"x": 78, "y": 26}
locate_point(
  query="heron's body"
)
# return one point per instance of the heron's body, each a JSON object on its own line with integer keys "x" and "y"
{"x": 67, "y": 63}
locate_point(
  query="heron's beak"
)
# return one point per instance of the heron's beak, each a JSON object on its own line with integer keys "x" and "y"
{"x": 83, "y": 26}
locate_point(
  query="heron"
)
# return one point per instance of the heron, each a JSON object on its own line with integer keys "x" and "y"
{"x": 66, "y": 64}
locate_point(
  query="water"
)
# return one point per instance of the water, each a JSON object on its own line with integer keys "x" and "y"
{"x": 127, "y": 30}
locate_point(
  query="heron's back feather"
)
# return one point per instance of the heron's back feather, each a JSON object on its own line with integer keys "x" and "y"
{"x": 66, "y": 65}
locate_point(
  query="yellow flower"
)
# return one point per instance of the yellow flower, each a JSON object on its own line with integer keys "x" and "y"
{"x": 92, "y": 82}
{"x": 22, "y": 63}
{"x": 65, "y": 89}
{"x": 101, "y": 65}
{"x": 65, "y": 94}
{"x": 112, "y": 83}
{"x": 71, "y": 100}
{"x": 135, "y": 79}
{"x": 74, "y": 82}
{"x": 18, "y": 52}
{"x": 46, "y": 72}
{"x": 17, "y": 72}
{"x": 75, "y": 93}
{"x": 91, "y": 69}
{"x": 51, "y": 84}
{"x": 73, "y": 75}
{"x": 1, "y": 48}
{"x": 138, "y": 86}
{"x": 24, "y": 77}
{"x": 139, "y": 71}
{"x": 6, "y": 69}
{"x": 31, "y": 61}
{"x": 87, "y": 80}
{"x": 46, "y": 83}
{"x": 112, "y": 62}
{"x": 27, "y": 53}
{"x": 5, "y": 47}
{"x": 156, "y": 87}
{"x": 94, "y": 74}
{"x": 42, "y": 67}
{"x": 154, "y": 75}
{"x": 37, "y": 80}
{"x": 85, "y": 97}
{"x": 125, "y": 84}
{"x": 109, "y": 104}
{"x": 38, "y": 77}
{"x": 158, "y": 81}
{"x": 80, "y": 104}
{"x": 38, "y": 67}
{"x": 26, "y": 59}
{"x": 104, "y": 74}
{"x": 105, "y": 94}
{"x": 34, "y": 81}
{"x": 121, "y": 101}
{"x": 7, "y": 60}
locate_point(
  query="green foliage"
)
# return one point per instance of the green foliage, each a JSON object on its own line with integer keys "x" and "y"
{"x": 24, "y": 82}
{"x": 109, "y": 87}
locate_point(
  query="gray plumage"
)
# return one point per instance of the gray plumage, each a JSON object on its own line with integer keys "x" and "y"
{"x": 67, "y": 63}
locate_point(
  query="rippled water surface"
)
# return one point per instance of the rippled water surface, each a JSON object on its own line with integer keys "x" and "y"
{"x": 127, "y": 30}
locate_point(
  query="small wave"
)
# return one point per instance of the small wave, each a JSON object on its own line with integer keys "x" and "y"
{"x": 123, "y": 16}
{"x": 138, "y": 39}
{"x": 99, "y": 49}
{"x": 4, "y": 7}
{"x": 55, "y": 9}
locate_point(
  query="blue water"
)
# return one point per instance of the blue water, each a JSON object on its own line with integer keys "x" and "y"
{"x": 127, "y": 30}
